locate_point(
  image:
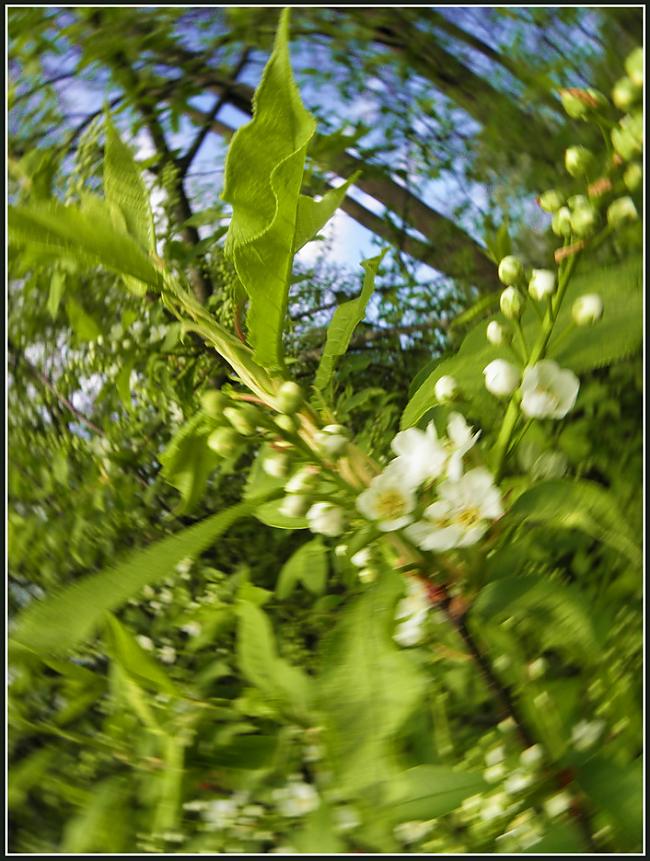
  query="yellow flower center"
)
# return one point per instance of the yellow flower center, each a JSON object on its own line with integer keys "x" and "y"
{"x": 390, "y": 505}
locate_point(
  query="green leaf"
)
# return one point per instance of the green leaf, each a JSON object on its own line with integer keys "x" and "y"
{"x": 57, "y": 288}
{"x": 86, "y": 234}
{"x": 318, "y": 834}
{"x": 345, "y": 320}
{"x": 124, "y": 189}
{"x": 585, "y": 505}
{"x": 59, "y": 623}
{"x": 485, "y": 303}
{"x": 28, "y": 773}
{"x": 618, "y": 790}
{"x": 560, "y": 838}
{"x": 288, "y": 687}
{"x": 100, "y": 826}
{"x": 368, "y": 688}
{"x": 308, "y": 566}
{"x": 123, "y": 383}
{"x": 83, "y": 325}
{"x": 563, "y": 617}
{"x": 124, "y": 649}
{"x": 313, "y": 215}
{"x": 263, "y": 175}
{"x": 616, "y": 336}
{"x": 427, "y": 791}
{"x": 188, "y": 461}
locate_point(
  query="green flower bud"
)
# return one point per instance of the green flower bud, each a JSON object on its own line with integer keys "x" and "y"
{"x": 587, "y": 309}
{"x": 561, "y": 222}
{"x": 633, "y": 176}
{"x": 578, "y": 160}
{"x": 551, "y": 200}
{"x": 243, "y": 418}
{"x": 579, "y": 104}
{"x": 213, "y": 403}
{"x": 332, "y": 439}
{"x": 542, "y": 284}
{"x": 584, "y": 221}
{"x": 620, "y": 211}
{"x": 634, "y": 66}
{"x": 511, "y": 303}
{"x": 511, "y": 270}
{"x": 290, "y": 397}
{"x": 577, "y": 201}
{"x": 286, "y": 423}
{"x": 627, "y": 137}
{"x": 223, "y": 441}
{"x": 446, "y": 389}
{"x": 625, "y": 94}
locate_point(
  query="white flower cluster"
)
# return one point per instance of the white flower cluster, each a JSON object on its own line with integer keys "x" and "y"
{"x": 465, "y": 504}
{"x": 547, "y": 391}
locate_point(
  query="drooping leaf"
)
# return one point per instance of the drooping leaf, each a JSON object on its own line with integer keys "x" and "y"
{"x": 263, "y": 175}
{"x": 368, "y": 688}
{"x": 57, "y": 288}
{"x": 584, "y": 505}
{"x": 427, "y": 791}
{"x": 86, "y": 234}
{"x": 125, "y": 189}
{"x": 287, "y": 686}
{"x": 308, "y": 566}
{"x": 346, "y": 318}
{"x": 101, "y": 825}
{"x": 82, "y": 324}
{"x": 188, "y": 461}
{"x": 57, "y": 624}
{"x": 123, "y": 383}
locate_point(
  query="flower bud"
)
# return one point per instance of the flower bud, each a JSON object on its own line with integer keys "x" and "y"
{"x": 620, "y": 211}
{"x": 302, "y": 481}
{"x": 243, "y": 418}
{"x": 446, "y": 389}
{"x": 577, "y": 201}
{"x": 289, "y": 398}
{"x": 634, "y": 66}
{"x": 276, "y": 464}
{"x": 286, "y": 423}
{"x": 551, "y": 200}
{"x": 578, "y": 103}
{"x": 325, "y": 518}
{"x": 625, "y": 142}
{"x": 501, "y": 378}
{"x": 633, "y": 176}
{"x": 368, "y": 575}
{"x": 511, "y": 270}
{"x": 496, "y": 334}
{"x": 587, "y": 309}
{"x": 584, "y": 220}
{"x": 294, "y": 505}
{"x": 213, "y": 403}
{"x": 332, "y": 439}
{"x": 625, "y": 94}
{"x": 362, "y": 558}
{"x": 578, "y": 160}
{"x": 542, "y": 284}
{"x": 511, "y": 303}
{"x": 223, "y": 441}
{"x": 561, "y": 222}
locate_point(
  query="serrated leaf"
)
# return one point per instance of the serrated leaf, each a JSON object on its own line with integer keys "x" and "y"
{"x": 368, "y": 688}
{"x": 616, "y": 336}
{"x": 585, "y": 505}
{"x": 308, "y": 566}
{"x": 263, "y": 175}
{"x": 136, "y": 663}
{"x": 346, "y": 318}
{"x": 287, "y": 686}
{"x": 62, "y": 621}
{"x": 85, "y": 233}
{"x": 125, "y": 189}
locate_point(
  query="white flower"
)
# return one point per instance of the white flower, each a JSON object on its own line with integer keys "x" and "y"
{"x": 221, "y": 813}
{"x": 495, "y": 333}
{"x": 294, "y": 505}
{"x": 501, "y": 378}
{"x": 192, "y": 629}
{"x": 422, "y": 456}
{"x": 585, "y": 734}
{"x": 517, "y": 782}
{"x": 557, "y": 804}
{"x": 542, "y": 284}
{"x": 362, "y": 558}
{"x": 167, "y": 654}
{"x": 459, "y": 517}
{"x": 388, "y": 501}
{"x": 145, "y": 642}
{"x": 275, "y": 464}
{"x": 412, "y": 611}
{"x": 587, "y": 309}
{"x": 532, "y": 756}
{"x": 332, "y": 439}
{"x": 496, "y": 755}
{"x": 296, "y": 799}
{"x": 445, "y": 389}
{"x": 411, "y": 832}
{"x": 494, "y": 773}
{"x": 548, "y": 391}
{"x": 325, "y": 519}
{"x": 302, "y": 481}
